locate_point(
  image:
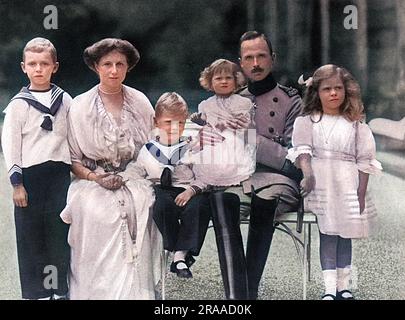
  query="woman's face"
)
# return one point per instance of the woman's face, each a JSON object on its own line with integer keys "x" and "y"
{"x": 332, "y": 94}
{"x": 112, "y": 69}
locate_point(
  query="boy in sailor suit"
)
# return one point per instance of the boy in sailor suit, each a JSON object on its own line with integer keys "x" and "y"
{"x": 181, "y": 210}
{"x": 36, "y": 152}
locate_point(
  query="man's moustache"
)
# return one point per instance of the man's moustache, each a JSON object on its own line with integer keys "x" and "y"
{"x": 257, "y": 70}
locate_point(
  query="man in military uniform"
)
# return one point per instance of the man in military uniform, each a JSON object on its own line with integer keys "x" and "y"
{"x": 274, "y": 185}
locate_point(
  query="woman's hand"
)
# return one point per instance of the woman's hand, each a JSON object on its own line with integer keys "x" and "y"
{"x": 307, "y": 184}
{"x": 110, "y": 181}
{"x": 20, "y": 196}
{"x": 182, "y": 199}
{"x": 89, "y": 163}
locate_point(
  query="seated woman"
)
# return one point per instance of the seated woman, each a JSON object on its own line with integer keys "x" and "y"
{"x": 115, "y": 245}
{"x": 389, "y": 134}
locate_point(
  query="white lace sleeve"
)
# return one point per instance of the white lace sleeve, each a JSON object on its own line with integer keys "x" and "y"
{"x": 301, "y": 138}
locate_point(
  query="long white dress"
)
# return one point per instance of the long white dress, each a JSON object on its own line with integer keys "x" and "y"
{"x": 115, "y": 244}
{"x": 339, "y": 149}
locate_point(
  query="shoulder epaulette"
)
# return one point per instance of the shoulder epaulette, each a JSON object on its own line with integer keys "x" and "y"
{"x": 244, "y": 92}
{"x": 241, "y": 89}
{"x": 290, "y": 91}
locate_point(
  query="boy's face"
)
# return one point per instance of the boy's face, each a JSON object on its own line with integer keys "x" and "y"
{"x": 39, "y": 67}
{"x": 171, "y": 127}
{"x": 223, "y": 83}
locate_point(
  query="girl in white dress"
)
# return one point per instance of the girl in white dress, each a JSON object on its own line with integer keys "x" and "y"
{"x": 336, "y": 152}
{"x": 232, "y": 161}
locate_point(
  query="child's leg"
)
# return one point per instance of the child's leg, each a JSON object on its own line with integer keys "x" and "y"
{"x": 166, "y": 215}
{"x": 328, "y": 255}
{"x": 344, "y": 260}
{"x": 29, "y": 223}
{"x": 194, "y": 222}
{"x": 58, "y": 249}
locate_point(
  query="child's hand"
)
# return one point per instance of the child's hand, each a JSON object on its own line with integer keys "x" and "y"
{"x": 362, "y": 202}
{"x": 198, "y": 118}
{"x": 182, "y": 199}
{"x": 307, "y": 185}
{"x": 20, "y": 196}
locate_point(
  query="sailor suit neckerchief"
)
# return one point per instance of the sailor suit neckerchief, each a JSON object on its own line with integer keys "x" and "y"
{"x": 174, "y": 154}
{"x": 56, "y": 102}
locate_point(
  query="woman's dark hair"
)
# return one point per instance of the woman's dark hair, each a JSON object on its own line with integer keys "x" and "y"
{"x": 96, "y": 51}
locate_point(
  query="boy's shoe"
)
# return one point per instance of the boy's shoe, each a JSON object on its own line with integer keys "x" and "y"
{"x": 328, "y": 296}
{"x": 344, "y": 295}
{"x": 181, "y": 273}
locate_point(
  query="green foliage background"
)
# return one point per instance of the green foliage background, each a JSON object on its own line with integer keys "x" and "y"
{"x": 176, "y": 39}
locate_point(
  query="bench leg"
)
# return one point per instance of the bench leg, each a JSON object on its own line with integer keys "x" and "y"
{"x": 305, "y": 264}
{"x": 308, "y": 257}
{"x": 164, "y": 259}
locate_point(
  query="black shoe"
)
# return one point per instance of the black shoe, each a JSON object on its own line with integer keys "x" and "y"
{"x": 328, "y": 296}
{"x": 181, "y": 273}
{"x": 348, "y": 295}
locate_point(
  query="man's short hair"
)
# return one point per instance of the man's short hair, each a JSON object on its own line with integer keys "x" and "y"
{"x": 251, "y": 35}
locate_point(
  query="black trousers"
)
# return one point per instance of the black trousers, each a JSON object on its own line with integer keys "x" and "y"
{"x": 182, "y": 228}
{"x": 225, "y": 208}
{"x": 42, "y": 248}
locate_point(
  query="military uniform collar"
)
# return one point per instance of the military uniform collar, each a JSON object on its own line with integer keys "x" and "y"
{"x": 258, "y": 88}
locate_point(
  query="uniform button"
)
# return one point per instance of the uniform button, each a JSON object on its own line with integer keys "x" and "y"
{"x": 275, "y": 99}
{"x": 271, "y": 130}
{"x": 272, "y": 113}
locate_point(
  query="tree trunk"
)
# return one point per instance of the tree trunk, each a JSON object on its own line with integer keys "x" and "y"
{"x": 325, "y": 31}
{"x": 400, "y": 87}
{"x": 362, "y": 45}
{"x": 293, "y": 36}
{"x": 271, "y": 22}
{"x": 251, "y": 10}
{"x": 400, "y": 6}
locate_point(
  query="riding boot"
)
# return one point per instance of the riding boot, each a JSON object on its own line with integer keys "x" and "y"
{"x": 261, "y": 229}
{"x": 225, "y": 216}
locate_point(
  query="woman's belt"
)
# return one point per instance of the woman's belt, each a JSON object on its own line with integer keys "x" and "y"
{"x": 333, "y": 155}
{"x": 109, "y": 167}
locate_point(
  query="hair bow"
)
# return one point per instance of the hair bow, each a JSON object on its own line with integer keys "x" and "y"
{"x": 307, "y": 82}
